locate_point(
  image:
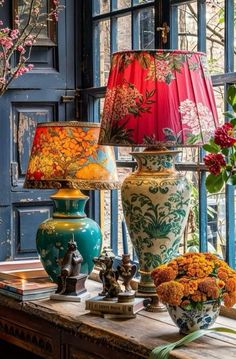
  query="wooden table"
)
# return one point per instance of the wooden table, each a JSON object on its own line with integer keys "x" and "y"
{"x": 54, "y": 329}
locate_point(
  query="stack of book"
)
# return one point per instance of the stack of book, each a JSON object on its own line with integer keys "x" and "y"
{"x": 113, "y": 309}
{"x": 25, "y": 283}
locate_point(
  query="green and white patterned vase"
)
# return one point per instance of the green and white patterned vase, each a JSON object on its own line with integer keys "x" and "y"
{"x": 201, "y": 317}
{"x": 155, "y": 201}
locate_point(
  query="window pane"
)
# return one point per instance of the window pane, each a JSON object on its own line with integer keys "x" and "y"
{"x": 144, "y": 22}
{"x": 215, "y": 35}
{"x": 101, "y": 6}
{"x": 187, "y": 27}
{"x": 137, "y": 2}
{"x": 123, "y": 35}
{"x": 234, "y": 35}
{"x": 106, "y": 217}
{"x": 120, "y": 4}
{"x": 23, "y": 9}
{"x": 101, "y": 52}
{"x": 124, "y": 154}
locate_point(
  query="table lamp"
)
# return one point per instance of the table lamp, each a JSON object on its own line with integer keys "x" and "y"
{"x": 159, "y": 100}
{"x": 66, "y": 156}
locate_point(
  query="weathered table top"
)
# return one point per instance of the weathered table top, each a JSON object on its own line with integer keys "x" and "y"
{"x": 137, "y": 336}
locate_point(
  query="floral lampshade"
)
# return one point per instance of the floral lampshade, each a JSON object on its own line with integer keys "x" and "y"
{"x": 158, "y": 97}
{"x": 67, "y": 155}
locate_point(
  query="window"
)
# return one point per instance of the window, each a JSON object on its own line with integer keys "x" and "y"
{"x": 209, "y": 26}
{"x": 194, "y": 25}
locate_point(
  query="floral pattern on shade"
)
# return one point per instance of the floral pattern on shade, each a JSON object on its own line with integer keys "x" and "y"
{"x": 158, "y": 96}
{"x": 197, "y": 119}
{"x": 69, "y": 153}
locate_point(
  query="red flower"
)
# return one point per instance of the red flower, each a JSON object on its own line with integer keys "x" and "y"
{"x": 37, "y": 175}
{"x": 214, "y": 162}
{"x": 223, "y": 135}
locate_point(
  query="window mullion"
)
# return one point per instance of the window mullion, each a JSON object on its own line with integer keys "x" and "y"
{"x": 229, "y": 35}
{"x": 174, "y": 27}
{"x": 202, "y": 212}
{"x": 201, "y": 25}
{"x": 113, "y": 37}
{"x": 229, "y": 67}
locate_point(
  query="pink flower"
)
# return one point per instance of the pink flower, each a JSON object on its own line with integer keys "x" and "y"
{"x": 15, "y": 40}
{"x": 14, "y": 34}
{"x": 214, "y": 162}
{"x": 223, "y": 135}
{"x": 198, "y": 118}
{"x": 21, "y": 49}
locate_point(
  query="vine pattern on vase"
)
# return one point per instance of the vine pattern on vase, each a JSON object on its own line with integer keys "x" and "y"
{"x": 155, "y": 202}
{"x": 202, "y": 316}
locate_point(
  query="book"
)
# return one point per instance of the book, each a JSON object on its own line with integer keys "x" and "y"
{"x": 26, "y": 284}
{"x": 27, "y": 296}
{"x": 11, "y": 266}
{"x": 97, "y": 305}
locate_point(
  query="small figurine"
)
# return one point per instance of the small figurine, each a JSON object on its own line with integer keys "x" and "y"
{"x": 70, "y": 281}
{"x": 71, "y": 262}
{"x": 126, "y": 271}
{"x": 107, "y": 274}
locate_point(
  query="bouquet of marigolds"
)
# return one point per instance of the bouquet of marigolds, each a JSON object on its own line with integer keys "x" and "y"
{"x": 194, "y": 278}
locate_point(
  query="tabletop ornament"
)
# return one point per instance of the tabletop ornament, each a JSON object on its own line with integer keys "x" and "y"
{"x": 65, "y": 156}
{"x": 159, "y": 100}
{"x": 71, "y": 283}
{"x": 113, "y": 302}
{"x": 108, "y": 276}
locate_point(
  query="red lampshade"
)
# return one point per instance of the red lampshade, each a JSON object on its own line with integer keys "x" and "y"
{"x": 158, "y": 98}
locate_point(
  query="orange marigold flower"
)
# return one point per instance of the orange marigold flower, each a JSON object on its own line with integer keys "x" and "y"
{"x": 229, "y": 299}
{"x": 199, "y": 296}
{"x": 171, "y": 292}
{"x": 210, "y": 288}
{"x": 223, "y": 274}
{"x": 195, "y": 277}
{"x": 190, "y": 286}
{"x": 230, "y": 284}
{"x": 163, "y": 274}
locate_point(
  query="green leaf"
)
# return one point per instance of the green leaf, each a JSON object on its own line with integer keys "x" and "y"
{"x": 214, "y": 183}
{"x": 229, "y": 114}
{"x": 163, "y": 351}
{"x": 225, "y": 151}
{"x": 233, "y": 121}
{"x": 232, "y": 180}
{"x": 212, "y": 148}
{"x": 231, "y": 95}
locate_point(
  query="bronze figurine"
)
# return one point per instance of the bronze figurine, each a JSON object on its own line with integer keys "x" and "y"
{"x": 70, "y": 281}
{"x": 107, "y": 274}
{"x": 126, "y": 271}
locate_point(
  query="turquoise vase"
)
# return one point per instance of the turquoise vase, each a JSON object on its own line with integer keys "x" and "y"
{"x": 68, "y": 221}
{"x": 155, "y": 201}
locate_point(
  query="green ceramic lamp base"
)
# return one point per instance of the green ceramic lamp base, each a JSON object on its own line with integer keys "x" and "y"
{"x": 68, "y": 221}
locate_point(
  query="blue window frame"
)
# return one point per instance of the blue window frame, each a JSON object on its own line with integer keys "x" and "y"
{"x": 216, "y": 38}
{"x": 135, "y": 24}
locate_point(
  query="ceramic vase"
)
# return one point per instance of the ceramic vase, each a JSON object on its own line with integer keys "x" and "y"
{"x": 68, "y": 222}
{"x": 155, "y": 201}
{"x": 201, "y": 317}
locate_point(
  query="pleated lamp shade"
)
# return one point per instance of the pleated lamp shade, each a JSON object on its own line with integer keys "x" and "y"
{"x": 158, "y": 98}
